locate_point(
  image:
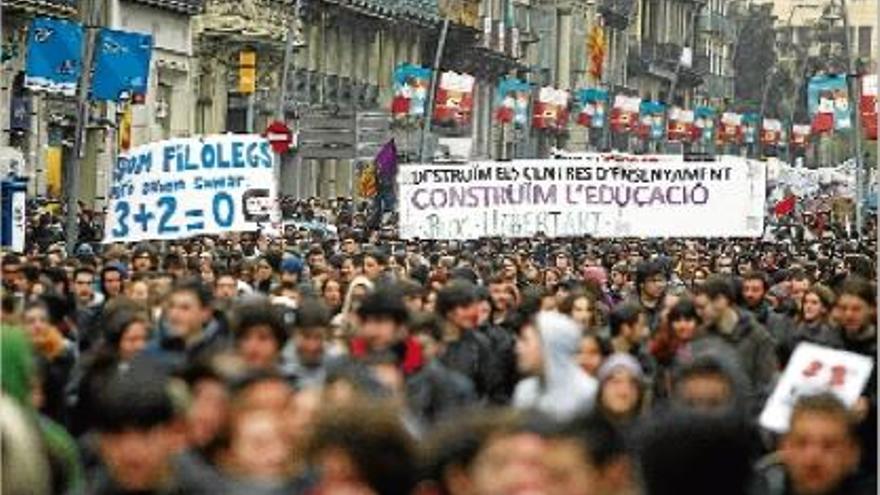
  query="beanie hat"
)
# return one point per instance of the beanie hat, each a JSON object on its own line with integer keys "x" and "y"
{"x": 291, "y": 264}
{"x": 621, "y": 360}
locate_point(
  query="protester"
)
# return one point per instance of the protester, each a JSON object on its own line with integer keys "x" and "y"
{"x": 323, "y": 361}
{"x": 556, "y": 385}
{"x": 819, "y": 454}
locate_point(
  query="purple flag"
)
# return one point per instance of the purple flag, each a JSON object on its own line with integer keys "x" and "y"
{"x": 386, "y": 160}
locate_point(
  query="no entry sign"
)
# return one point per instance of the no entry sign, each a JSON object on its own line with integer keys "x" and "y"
{"x": 279, "y": 136}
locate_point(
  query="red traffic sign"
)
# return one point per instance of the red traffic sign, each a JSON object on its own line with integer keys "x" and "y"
{"x": 279, "y": 136}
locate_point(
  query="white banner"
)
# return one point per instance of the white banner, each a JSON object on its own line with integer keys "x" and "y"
{"x": 602, "y": 195}
{"x": 192, "y": 186}
{"x": 814, "y": 369}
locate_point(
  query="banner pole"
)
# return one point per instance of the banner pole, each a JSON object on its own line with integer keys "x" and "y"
{"x": 91, "y": 14}
{"x": 432, "y": 93}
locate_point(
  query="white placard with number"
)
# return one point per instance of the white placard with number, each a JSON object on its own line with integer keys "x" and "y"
{"x": 192, "y": 186}
{"x": 815, "y": 369}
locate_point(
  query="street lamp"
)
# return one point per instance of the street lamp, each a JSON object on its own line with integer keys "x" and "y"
{"x": 852, "y": 82}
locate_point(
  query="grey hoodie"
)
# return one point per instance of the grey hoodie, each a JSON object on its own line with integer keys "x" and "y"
{"x": 564, "y": 390}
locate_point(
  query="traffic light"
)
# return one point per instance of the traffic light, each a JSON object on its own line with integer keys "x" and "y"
{"x": 247, "y": 71}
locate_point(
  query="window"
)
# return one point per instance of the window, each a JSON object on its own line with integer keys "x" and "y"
{"x": 865, "y": 41}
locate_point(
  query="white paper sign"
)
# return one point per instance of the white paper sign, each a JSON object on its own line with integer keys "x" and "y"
{"x": 603, "y": 195}
{"x": 192, "y": 186}
{"x": 815, "y": 369}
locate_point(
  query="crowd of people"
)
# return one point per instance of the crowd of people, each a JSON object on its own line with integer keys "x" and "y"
{"x": 345, "y": 360}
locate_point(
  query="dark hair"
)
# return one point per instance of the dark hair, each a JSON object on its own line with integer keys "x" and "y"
{"x": 704, "y": 365}
{"x": 312, "y": 313}
{"x": 600, "y": 440}
{"x": 258, "y": 312}
{"x": 568, "y": 303}
{"x": 688, "y": 453}
{"x": 718, "y": 285}
{"x": 118, "y": 321}
{"x": 196, "y": 287}
{"x": 377, "y": 255}
{"x": 456, "y": 440}
{"x": 760, "y": 276}
{"x": 428, "y": 324}
{"x": 858, "y": 287}
{"x": 84, "y": 269}
{"x": 648, "y": 269}
{"x": 684, "y": 309}
{"x": 624, "y": 314}
{"x": 456, "y": 294}
{"x": 374, "y": 439}
{"x": 410, "y": 288}
{"x": 135, "y": 397}
{"x": 384, "y": 302}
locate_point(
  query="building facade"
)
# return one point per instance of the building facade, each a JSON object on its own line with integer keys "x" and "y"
{"x": 41, "y": 126}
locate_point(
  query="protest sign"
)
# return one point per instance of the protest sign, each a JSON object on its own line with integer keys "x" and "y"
{"x": 815, "y": 369}
{"x": 192, "y": 186}
{"x": 603, "y": 195}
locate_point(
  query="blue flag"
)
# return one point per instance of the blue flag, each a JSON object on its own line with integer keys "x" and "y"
{"x": 122, "y": 65}
{"x": 54, "y": 55}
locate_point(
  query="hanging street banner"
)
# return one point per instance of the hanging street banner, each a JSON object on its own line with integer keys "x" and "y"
{"x": 54, "y": 55}
{"x": 601, "y": 195}
{"x": 512, "y": 102}
{"x": 192, "y": 186}
{"x": 410, "y": 91}
{"x": 122, "y": 65}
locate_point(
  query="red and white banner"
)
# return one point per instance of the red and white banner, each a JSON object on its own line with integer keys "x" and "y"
{"x": 625, "y": 113}
{"x": 681, "y": 124}
{"x": 731, "y": 128}
{"x": 551, "y": 109}
{"x": 771, "y": 132}
{"x": 800, "y": 135}
{"x": 455, "y": 99}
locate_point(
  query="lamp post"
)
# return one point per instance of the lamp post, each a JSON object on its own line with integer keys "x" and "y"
{"x": 852, "y": 82}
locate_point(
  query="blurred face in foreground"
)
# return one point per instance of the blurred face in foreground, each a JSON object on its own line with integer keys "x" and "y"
{"x": 379, "y": 333}
{"x": 512, "y": 464}
{"x": 705, "y": 393}
{"x": 137, "y": 459}
{"x": 818, "y": 452}
{"x": 258, "y": 447}
{"x": 258, "y": 347}
{"x": 569, "y": 470}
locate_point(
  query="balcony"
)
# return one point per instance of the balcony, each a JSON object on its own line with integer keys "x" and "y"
{"x": 718, "y": 86}
{"x": 191, "y": 7}
{"x": 656, "y": 59}
{"x": 54, "y": 7}
{"x": 617, "y": 13}
{"x": 718, "y": 25}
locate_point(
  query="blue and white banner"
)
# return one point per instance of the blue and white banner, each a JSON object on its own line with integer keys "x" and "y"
{"x": 192, "y": 186}
{"x": 122, "y": 65}
{"x": 54, "y": 55}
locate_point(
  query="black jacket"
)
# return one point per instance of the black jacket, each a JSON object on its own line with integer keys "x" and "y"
{"x": 755, "y": 351}
{"x": 503, "y": 353}
{"x": 434, "y": 391}
{"x": 471, "y": 356}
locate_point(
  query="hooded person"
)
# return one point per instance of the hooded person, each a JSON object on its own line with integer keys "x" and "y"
{"x": 17, "y": 370}
{"x": 555, "y": 385}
